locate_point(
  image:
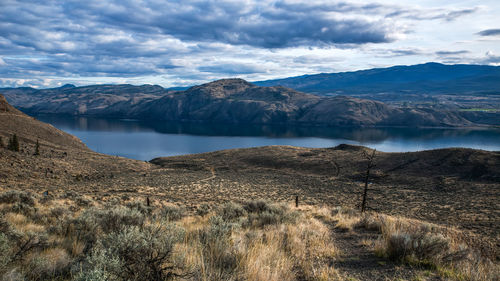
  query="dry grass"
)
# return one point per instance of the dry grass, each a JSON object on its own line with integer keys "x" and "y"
{"x": 64, "y": 240}
{"x": 430, "y": 246}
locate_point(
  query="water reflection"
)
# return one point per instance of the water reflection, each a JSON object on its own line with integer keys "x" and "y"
{"x": 144, "y": 140}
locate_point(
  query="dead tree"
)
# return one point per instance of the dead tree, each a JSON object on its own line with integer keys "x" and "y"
{"x": 370, "y": 164}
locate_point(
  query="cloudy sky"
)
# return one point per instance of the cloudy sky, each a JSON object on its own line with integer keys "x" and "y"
{"x": 177, "y": 43}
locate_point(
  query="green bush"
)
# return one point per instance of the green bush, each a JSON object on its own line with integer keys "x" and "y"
{"x": 141, "y": 207}
{"x": 172, "y": 213}
{"x": 114, "y": 219}
{"x": 231, "y": 211}
{"x": 256, "y": 206}
{"x": 16, "y": 196}
{"x": 93, "y": 222}
{"x": 261, "y": 214}
{"x": 134, "y": 253}
{"x": 5, "y": 248}
{"x": 82, "y": 201}
{"x": 203, "y": 210}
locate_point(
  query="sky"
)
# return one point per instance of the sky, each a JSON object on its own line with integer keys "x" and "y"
{"x": 50, "y": 43}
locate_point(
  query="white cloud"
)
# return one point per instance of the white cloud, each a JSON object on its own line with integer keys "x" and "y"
{"x": 187, "y": 42}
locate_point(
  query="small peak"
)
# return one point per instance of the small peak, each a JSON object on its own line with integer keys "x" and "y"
{"x": 229, "y": 81}
{"x": 67, "y": 86}
{"x": 223, "y": 88}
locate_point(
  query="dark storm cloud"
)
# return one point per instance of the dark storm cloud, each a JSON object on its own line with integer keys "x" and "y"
{"x": 489, "y": 32}
{"x": 64, "y": 26}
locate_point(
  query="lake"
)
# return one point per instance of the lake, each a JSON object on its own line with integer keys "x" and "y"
{"x": 145, "y": 140}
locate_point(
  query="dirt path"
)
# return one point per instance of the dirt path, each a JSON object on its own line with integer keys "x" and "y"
{"x": 212, "y": 170}
{"x": 358, "y": 262}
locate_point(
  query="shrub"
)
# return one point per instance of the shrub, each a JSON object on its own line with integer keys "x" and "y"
{"x": 69, "y": 194}
{"x": 172, "y": 213}
{"x": 25, "y": 243}
{"x": 49, "y": 264}
{"x": 140, "y": 207}
{"x": 369, "y": 222}
{"x": 261, "y": 214}
{"x": 13, "y": 275}
{"x": 114, "y": 219}
{"x": 93, "y": 221}
{"x": 256, "y": 206}
{"x": 419, "y": 247}
{"x": 135, "y": 253}
{"x": 231, "y": 211}
{"x": 5, "y": 248}
{"x": 16, "y": 196}
{"x": 82, "y": 201}
{"x": 203, "y": 210}
{"x": 25, "y": 209}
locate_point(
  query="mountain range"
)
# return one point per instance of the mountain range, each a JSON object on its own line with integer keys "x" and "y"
{"x": 429, "y": 78}
{"x": 238, "y": 101}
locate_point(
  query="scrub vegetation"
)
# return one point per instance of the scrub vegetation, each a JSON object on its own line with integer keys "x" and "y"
{"x": 73, "y": 237}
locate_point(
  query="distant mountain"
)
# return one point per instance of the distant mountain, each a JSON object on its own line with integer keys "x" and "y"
{"x": 429, "y": 79}
{"x": 226, "y": 101}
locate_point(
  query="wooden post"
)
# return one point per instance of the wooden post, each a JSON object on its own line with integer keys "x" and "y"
{"x": 296, "y": 201}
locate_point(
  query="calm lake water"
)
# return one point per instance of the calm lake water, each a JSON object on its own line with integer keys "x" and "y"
{"x": 145, "y": 140}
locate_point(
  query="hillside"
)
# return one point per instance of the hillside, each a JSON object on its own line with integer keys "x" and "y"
{"x": 87, "y": 100}
{"x": 229, "y": 101}
{"x": 29, "y": 130}
{"x": 472, "y": 91}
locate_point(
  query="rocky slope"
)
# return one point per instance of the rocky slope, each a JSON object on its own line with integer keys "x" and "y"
{"x": 228, "y": 101}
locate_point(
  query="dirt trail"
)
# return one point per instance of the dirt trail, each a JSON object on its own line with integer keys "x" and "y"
{"x": 213, "y": 176}
{"x": 357, "y": 261}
